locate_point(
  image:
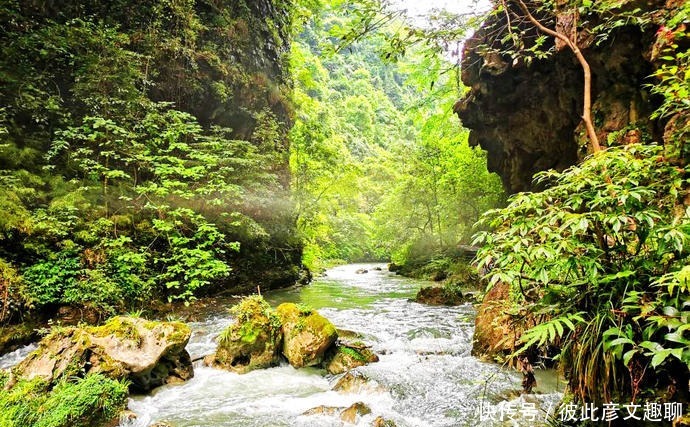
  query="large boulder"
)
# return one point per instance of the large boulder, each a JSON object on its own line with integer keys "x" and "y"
{"x": 253, "y": 341}
{"x": 148, "y": 354}
{"x": 306, "y": 335}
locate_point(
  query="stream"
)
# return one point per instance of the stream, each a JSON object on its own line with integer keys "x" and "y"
{"x": 426, "y": 375}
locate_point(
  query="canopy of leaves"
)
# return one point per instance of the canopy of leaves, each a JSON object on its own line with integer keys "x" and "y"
{"x": 378, "y": 164}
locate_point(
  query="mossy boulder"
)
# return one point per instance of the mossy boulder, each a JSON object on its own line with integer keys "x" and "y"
{"x": 306, "y": 335}
{"x": 253, "y": 341}
{"x": 148, "y": 354}
{"x": 345, "y": 356}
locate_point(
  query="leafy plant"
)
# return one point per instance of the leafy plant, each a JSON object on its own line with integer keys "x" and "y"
{"x": 599, "y": 263}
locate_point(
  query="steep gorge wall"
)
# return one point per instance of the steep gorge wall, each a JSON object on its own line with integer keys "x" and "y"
{"x": 527, "y": 116}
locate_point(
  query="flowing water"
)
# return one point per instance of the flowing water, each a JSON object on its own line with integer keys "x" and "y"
{"x": 425, "y": 376}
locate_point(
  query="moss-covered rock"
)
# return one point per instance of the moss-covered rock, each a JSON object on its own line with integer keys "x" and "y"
{"x": 148, "y": 354}
{"x": 345, "y": 356}
{"x": 449, "y": 294}
{"x": 253, "y": 341}
{"x": 306, "y": 335}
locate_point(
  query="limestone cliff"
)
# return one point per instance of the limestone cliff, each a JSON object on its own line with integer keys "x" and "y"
{"x": 527, "y": 114}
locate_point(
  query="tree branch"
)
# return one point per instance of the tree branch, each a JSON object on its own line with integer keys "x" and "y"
{"x": 572, "y": 44}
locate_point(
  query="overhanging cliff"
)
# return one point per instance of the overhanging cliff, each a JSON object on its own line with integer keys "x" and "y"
{"x": 527, "y": 115}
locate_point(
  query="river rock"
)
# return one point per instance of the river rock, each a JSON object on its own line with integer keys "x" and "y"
{"x": 356, "y": 382}
{"x": 306, "y": 335}
{"x": 323, "y": 410}
{"x": 345, "y": 356}
{"x": 435, "y": 295}
{"x": 361, "y": 271}
{"x": 253, "y": 341}
{"x": 355, "y": 410}
{"x": 495, "y": 331}
{"x": 147, "y": 353}
{"x": 382, "y": 422}
{"x": 125, "y": 417}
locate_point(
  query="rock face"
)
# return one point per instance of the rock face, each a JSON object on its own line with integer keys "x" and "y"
{"x": 495, "y": 332}
{"x": 527, "y": 116}
{"x": 306, "y": 335}
{"x": 253, "y": 341}
{"x": 147, "y": 353}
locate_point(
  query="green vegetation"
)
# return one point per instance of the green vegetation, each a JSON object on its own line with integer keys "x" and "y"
{"x": 253, "y": 315}
{"x": 142, "y": 152}
{"x": 599, "y": 259}
{"x": 85, "y": 402}
{"x": 380, "y": 169}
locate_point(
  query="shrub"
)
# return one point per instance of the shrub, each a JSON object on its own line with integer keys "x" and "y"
{"x": 599, "y": 260}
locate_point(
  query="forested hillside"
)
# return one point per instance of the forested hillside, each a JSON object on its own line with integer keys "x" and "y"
{"x": 143, "y": 152}
{"x": 381, "y": 168}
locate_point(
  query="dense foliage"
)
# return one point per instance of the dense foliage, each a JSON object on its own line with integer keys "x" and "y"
{"x": 380, "y": 169}
{"x": 142, "y": 151}
{"x": 597, "y": 263}
{"x": 85, "y": 402}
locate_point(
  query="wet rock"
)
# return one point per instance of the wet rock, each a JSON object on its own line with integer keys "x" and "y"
{"x": 323, "y": 410}
{"x": 125, "y": 417}
{"x": 70, "y": 315}
{"x": 253, "y": 341}
{"x": 439, "y": 275}
{"x": 495, "y": 332}
{"x": 345, "y": 356}
{"x": 306, "y": 335}
{"x": 355, "y": 411}
{"x": 434, "y": 295}
{"x": 361, "y": 271}
{"x": 147, "y": 353}
{"x": 382, "y": 422}
{"x": 378, "y": 269}
{"x": 356, "y": 382}
{"x": 393, "y": 267}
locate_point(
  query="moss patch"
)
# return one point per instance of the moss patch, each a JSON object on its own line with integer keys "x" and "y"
{"x": 121, "y": 327}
